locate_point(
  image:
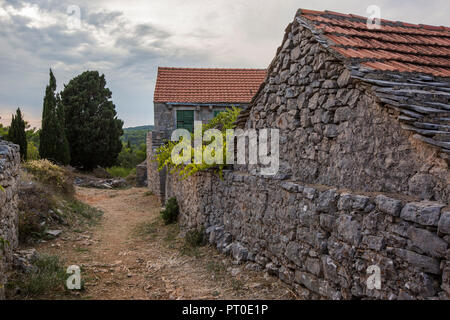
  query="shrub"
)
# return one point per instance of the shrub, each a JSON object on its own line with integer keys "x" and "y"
{"x": 32, "y": 151}
{"x": 119, "y": 172}
{"x": 170, "y": 213}
{"x": 195, "y": 238}
{"x": 50, "y": 174}
{"x": 223, "y": 121}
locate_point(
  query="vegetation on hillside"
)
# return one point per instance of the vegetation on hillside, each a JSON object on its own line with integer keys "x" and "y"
{"x": 92, "y": 127}
{"x": 136, "y": 136}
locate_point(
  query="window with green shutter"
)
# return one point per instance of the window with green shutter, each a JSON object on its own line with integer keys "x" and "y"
{"x": 216, "y": 112}
{"x": 185, "y": 120}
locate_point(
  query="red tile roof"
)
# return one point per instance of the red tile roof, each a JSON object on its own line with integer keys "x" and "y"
{"x": 396, "y": 46}
{"x": 201, "y": 85}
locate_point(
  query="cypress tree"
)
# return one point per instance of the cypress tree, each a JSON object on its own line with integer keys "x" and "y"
{"x": 63, "y": 151}
{"x": 92, "y": 127}
{"x": 53, "y": 141}
{"x": 17, "y": 135}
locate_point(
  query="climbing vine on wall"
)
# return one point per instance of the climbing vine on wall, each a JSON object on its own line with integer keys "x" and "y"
{"x": 223, "y": 121}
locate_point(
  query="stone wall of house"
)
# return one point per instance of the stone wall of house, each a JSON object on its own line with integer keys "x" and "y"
{"x": 9, "y": 175}
{"x": 322, "y": 240}
{"x": 156, "y": 180}
{"x": 334, "y": 132}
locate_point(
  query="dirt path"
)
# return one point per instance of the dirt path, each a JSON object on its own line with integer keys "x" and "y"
{"x": 130, "y": 254}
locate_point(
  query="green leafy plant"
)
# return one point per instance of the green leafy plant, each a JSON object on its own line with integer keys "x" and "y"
{"x": 2, "y": 189}
{"x": 223, "y": 121}
{"x": 170, "y": 213}
{"x": 120, "y": 172}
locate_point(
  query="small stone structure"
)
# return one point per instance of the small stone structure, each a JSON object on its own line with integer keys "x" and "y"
{"x": 364, "y": 165}
{"x": 9, "y": 175}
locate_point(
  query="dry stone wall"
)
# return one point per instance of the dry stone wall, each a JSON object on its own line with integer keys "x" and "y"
{"x": 322, "y": 240}
{"x": 9, "y": 175}
{"x": 333, "y": 130}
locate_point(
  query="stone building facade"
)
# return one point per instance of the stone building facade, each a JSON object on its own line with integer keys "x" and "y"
{"x": 364, "y": 153}
{"x": 9, "y": 175}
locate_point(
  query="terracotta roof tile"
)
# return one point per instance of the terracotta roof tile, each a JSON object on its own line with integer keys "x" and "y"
{"x": 396, "y": 46}
{"x": 203, "y": 85}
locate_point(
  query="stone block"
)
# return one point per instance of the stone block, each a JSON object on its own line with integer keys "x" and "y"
{"x": 427, "y": 242}
{"x": 444, "y": 223}
{"x": 388, "y": 205}
{"x": 424, "y": 263}
{"x": 425, "y": 213}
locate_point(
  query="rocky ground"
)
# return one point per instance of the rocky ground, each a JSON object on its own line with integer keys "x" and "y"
{"x": 130, "y": 254}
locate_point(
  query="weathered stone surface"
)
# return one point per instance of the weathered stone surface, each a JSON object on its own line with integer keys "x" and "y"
{"x": 444, "y": 223}
{"x": 327, "y": 201}
{"x": 313, "y": 266}
{"x": 422, "y": 262}
{"x": 9, "y": 176}
{"x": 425, "y": 213}
{"x": 295, "y": 53}
{"x": 344, "y": 78}
{"x": 374, "y": 242}
{"x": 239, "y": 252}
{"x": 428, "y": 242}
{"x": 349, "y": 229}
{"x": 388, "y": 205}
{"x": 331, "y": 131}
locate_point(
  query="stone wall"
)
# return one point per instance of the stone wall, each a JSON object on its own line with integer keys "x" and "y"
{"x": 321, "y": 240}
{"x": 155, "y": 179}
{"x": 334, "y": 131}
{"x": 9, "y": 175}
{"x": 354, "y": 189}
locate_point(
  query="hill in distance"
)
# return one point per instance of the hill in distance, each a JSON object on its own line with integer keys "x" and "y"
{"x": 136, "y": 135}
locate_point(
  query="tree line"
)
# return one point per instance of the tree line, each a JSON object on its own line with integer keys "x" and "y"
{"x": 79, "y": 124}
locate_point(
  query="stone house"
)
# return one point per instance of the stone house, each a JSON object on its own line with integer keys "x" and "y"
{"x": 185, "y": 95}
{"x": 364, "y": 181}
{"x": 359, "y": 108}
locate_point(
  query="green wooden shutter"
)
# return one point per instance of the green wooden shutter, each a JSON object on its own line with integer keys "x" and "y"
{"x": 185, "y": 120}
{"x": 216, "y": 112}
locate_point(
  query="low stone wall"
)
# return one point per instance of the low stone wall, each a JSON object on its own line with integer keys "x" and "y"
{"x": 9, "y": 174}
{"x": 322, "y": 240}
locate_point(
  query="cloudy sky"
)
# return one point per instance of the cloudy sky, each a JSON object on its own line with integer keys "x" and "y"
{"x": 128, "y": 40}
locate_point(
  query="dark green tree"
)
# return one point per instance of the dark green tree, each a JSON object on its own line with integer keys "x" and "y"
{"x": 53, "y": 143}
{"x": 92, "y": 127}
{"x": 16, "y": 133}
{"x": 63, "y": 151}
